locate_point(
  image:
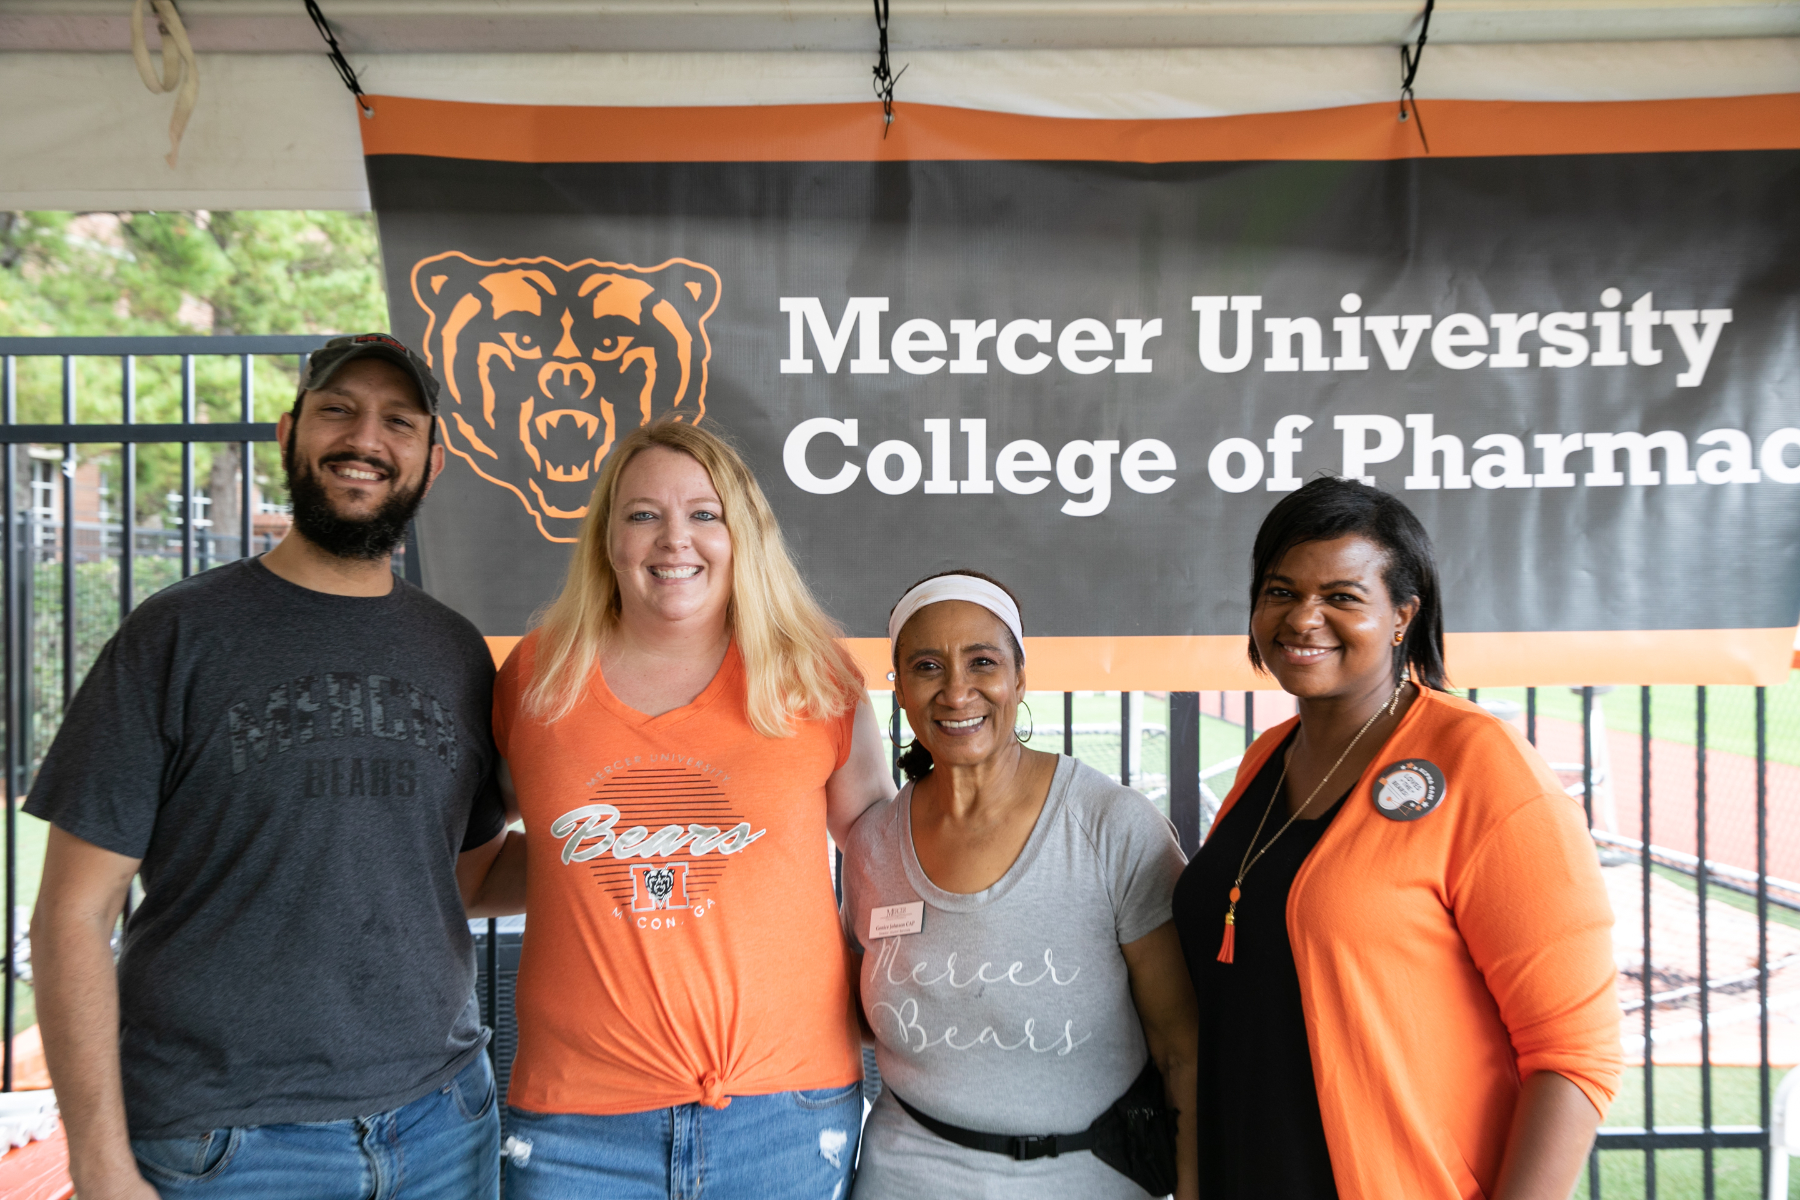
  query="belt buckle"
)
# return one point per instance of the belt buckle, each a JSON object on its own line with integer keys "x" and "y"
{"x": 1029, "y": 1146}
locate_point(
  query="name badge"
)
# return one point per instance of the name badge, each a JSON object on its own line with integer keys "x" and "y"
{"x": 896, "y": 920}
{"x": 1409, "y": 789}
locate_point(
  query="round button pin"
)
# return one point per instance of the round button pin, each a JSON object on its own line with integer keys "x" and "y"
{"x": 1408, "y": 789}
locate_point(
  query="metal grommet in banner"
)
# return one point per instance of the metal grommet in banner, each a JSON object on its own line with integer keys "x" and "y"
{"x": 1408, "y": 789}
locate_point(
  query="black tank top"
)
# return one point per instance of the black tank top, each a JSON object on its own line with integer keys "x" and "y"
{"x": 1261, "y": 1137}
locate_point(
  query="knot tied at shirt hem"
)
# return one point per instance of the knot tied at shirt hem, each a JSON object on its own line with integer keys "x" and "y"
{"x": 712, "y": 1091}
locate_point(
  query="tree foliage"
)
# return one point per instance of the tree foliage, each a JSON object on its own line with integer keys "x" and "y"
{"x": 181, "y": 273}
{"x": 96, "y": 274}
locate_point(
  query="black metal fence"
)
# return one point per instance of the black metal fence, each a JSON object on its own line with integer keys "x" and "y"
{"x": 1713, "y": 1139}
{"x": 67, "y": 582}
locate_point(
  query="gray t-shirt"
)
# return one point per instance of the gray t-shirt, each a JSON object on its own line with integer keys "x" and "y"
{"x": 1010, "y": 1010}
{"x": 298, "y": 772}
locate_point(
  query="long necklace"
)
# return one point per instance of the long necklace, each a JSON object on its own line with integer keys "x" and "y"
{"x": 1228, "y": 947}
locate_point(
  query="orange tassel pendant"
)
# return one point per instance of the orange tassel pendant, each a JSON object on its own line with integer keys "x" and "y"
{"x": 1228, "y": 947}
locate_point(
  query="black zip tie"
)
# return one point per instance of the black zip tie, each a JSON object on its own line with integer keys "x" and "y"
{"x": 1409, "y": 70}
{"x": 885, "y": 79}
{"x": 345, "y": 71}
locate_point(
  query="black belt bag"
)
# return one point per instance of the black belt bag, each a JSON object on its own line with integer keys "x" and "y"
{"x": 1135, "y": 1136}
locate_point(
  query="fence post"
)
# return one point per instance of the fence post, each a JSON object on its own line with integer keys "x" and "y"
{"x": 493, "y": 991}
{"x": 127, "y": 492}
{"x": 8, "y": 384}
{"x": 68, "y": 538}
{"x": 1645, "y": 873}
{"x": 1587, "y": 804}
{"x": 1124, "y": 739}
{"x": 187, "y": 468}
{"x": 1707, "y": 1180}
{"x": 1184, "y": 769}
{"x": 414, "y": 569}
{"x": 247, "y": 458}
{"x": 894, "y": 735}
{"x": 1762, "y": 922}
{"x": 1587, "y": 753}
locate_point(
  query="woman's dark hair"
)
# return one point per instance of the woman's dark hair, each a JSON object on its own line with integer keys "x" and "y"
{"x": 1328, "y": 508}
{"x": 915, "y": 760}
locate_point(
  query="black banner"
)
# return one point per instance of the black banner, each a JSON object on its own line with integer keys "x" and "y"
{"x": 1092, "y": 378}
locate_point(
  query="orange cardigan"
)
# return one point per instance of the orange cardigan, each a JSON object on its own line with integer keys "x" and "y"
{"x": 1444, "y": 958}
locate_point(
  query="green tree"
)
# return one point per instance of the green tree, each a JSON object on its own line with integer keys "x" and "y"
{"x": 93, "y": 274}
{"x": 167, "y": 273}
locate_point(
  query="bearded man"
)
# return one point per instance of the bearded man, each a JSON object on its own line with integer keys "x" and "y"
{"x": 293, "y": 754}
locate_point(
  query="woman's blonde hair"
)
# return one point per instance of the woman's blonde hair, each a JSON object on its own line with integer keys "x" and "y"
{"x": 793, "y": 664}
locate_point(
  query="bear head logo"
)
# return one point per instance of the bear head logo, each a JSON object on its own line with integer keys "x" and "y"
{"x": 660, "y": 883}
{"x": 544, "y": 364}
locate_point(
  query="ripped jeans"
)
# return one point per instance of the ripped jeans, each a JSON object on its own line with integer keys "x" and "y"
{"x": 785, "y": 1146}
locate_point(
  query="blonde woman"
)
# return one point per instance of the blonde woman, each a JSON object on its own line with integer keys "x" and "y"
{"x": 680, "y": 733}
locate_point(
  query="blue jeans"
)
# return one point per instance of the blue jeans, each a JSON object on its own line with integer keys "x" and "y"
{"x": 785, "y": 1146}
{"x": 443, "y": 1146}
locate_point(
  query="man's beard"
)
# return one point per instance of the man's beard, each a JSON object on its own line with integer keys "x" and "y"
{"x": 363, "y": 539}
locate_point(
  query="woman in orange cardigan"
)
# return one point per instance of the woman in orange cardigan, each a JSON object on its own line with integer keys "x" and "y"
{"x": 1396, "y": 928}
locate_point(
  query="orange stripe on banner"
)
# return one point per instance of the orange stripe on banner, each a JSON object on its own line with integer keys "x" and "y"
{"x": 500, "y": 647}
{"x": 1217, "y": 663}
{"x": 853, "y": 132}
{"x": 1753, "y": 656}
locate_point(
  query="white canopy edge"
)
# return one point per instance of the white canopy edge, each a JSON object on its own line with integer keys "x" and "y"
{"x": 79, "y": 132}
{"x": 661, "y": 26}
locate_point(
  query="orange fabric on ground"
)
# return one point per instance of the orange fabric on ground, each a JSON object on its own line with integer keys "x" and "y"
{"x": 1443, "y": 959}
{"x": 30, "y": 1072}
{"x": 655, "y": 973}
{"x": 37, "y": 1170}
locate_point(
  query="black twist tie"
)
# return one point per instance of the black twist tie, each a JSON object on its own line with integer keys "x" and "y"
{"x": 345, "y": 71}
{"x": 885, "y": 79}
{"x": 1409, "y": 70}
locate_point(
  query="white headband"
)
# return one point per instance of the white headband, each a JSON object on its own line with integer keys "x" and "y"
{"x": 955, "y": 587}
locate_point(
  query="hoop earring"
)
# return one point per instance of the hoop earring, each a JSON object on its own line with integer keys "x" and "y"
{"x": 1026, "y": 740}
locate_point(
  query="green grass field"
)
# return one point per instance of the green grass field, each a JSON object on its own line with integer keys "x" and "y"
{"x": 32, "y": 834}
{"x": 1737, "y": 1174}
{"x": 1730, "y": 714}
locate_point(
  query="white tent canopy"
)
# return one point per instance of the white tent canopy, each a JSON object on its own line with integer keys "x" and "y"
{"x": 661, "y": 26}
{"x": 275, "y": 128}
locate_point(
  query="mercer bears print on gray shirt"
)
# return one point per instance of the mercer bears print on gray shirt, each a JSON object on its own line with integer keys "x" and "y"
{"x": 298, "y": 772}
{"x": 1010, "y": 1010}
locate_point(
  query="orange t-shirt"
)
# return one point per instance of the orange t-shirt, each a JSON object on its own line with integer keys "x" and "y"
{"x": 682, "y": 941}
{"x": 1445, "y": 958}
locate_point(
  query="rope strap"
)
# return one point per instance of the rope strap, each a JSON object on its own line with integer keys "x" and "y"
{"x": 179, "y": 71}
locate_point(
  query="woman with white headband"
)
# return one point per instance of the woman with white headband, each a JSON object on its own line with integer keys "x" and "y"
{"x": 1020, "y": 974}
